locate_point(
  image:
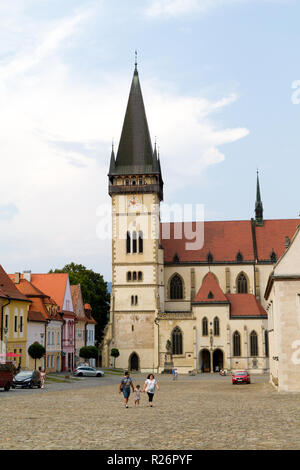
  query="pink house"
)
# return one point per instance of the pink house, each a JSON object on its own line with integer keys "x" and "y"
{"x": 57, "y": 286}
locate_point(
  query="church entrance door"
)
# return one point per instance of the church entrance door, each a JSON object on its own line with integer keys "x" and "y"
{"x": 134, "y": 362}
{"x": 218, "y": 360}
{"x": 205, "y": 360}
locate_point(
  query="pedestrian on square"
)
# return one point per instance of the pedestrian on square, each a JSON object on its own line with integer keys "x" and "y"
{"x": 125, "y": 385}
{"x": 150, "y": 386}
{"x": 43, "y": 377}
{"x": 137, "y": 395}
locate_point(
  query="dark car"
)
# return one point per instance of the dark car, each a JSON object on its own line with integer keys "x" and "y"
{"x": 28, "y": 378}
{"x": 240, "y": 377}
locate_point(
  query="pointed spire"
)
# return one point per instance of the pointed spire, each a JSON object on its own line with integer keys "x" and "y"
{"x": 112, "y": 165}
{"x": 135, "y": 153}
{"x": 258, "y": 205}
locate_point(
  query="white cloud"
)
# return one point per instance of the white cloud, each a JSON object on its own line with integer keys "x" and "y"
{"x": 55, "y": 135}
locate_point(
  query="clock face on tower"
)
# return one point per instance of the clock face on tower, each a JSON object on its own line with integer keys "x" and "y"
{"x": 134, "y": 203}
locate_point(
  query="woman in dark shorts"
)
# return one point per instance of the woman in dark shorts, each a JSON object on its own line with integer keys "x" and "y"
{"x": 124, "y": 387}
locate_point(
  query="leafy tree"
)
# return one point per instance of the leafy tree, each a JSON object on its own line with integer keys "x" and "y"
{"x": 84, "y": 352}
{"x": 36, "y": 351}
{"x": 115, "y": 353}
{"x": 89, "y": 352}
{"x": 94, "y": 292}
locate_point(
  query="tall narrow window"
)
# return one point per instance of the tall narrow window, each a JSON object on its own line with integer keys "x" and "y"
{"x": 128, "y": 243}
{"x": 134, "y": 242}
{"x": 16, "y": 324}
{"x": 135, "y": 300}
{"x": 176, "y": 341}
{"x": 267, "y": 343}
{"x": 242, "y": 284}
{"x": 204, "y": 327}
{"x": 132, "y": 300}
{"x": 141, "y": 242}
{"x": 129, "y": 276}
{"x": 216, "y": 326}
{"x": 21, "y": 324}
{"x": 236, "y": 344}
{"x": 134, "y": 276}
{"x": 140, "y": 276}
{"x": 176, "y": 288}
{"x": 253, "y": 344}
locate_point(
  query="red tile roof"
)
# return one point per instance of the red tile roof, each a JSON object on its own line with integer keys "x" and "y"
{"x": 36, "y": 316}
{"x": 272, "y": 236}
{"x": 210, "y": 291}
{"x": 245, "y": 305}
{"x": 8, "y": 289}
{"x": 224, "y": 239}
{"x": 75, "y": 292}
{"x": 52, "y": 284}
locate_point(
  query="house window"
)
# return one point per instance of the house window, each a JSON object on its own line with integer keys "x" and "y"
{"x": 16, "y": 324}
{"x": 242, "y": 284}
{"x": 273, "y": 257}
{"x": 236, "y": 344}
{"x": 253, "y": 344}
{"x": 6, "y": 321}
{"x": 176, "y": 287}
{"x": 21, "y": 324}
{"x": 52, "y": 338}
{"x": 176, "y": 341}
{"x": 216, "y": 326}
{"x": 58, "y": 339}
{"x": 210, "y": 295}
{"x": 140, "y": 181}
{"x": 204, "y": 327}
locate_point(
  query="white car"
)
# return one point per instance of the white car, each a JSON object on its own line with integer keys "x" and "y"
{"x": 86, "y": 371}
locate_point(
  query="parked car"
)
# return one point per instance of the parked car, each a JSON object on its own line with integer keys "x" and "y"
{"x": 7, "y": 371}
{"x": 240, "y": 377}
{"x": 27, "y": 378}
{"x": 87, "y": 371}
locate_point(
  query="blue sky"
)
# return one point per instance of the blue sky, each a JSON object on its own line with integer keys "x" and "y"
{"x": 217, "y": 81}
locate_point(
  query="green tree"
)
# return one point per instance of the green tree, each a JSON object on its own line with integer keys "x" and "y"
{"x": 115, "y": 353}
{"x": 89, "y": 352}
{"x": 94, "y": 292}
{"x": 36, "y": 351}
{"x": 84, "y": 352}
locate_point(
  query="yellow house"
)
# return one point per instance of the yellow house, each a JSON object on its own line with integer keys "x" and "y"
{"x": 13, "y": 322}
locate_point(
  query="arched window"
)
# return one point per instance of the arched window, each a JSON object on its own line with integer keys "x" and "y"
{"x": 140, "y": 276}
{"x": 204, "y": 327}
{"x": 176, "y": 341}
{"x": 133, "y": 182}
{"x": 128, "y": 243}
{"x": 141, "y": 242}
{"x": 135, "y": 299}
{"x": 216, "y": 326}
{"x": 129, "y": 276}
{"x": 134, "y": 276}
{"x": 242, "y": 284}
{"x": 253, "y": 344}
{"x": 134, "y": 242}
{"x": 236, "y": 344}
{"x": 176, "y": 288}
{"x": 132, "y": 300}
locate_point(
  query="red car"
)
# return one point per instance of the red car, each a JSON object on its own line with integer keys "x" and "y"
{"x": 240, "y": 377}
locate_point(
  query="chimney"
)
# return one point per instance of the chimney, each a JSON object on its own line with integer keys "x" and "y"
{"x": 17, "y": 278}
{"x": 27, "y": 275}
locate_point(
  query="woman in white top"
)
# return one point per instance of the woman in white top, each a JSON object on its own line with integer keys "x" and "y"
{"x": 150, "y": 386}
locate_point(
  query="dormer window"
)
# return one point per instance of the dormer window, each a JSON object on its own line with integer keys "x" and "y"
{"x": 210, "y": 295}
{"x": 273, "y": 257}
{"x": 239, "y": 257}
{"x": 210, "y": 258}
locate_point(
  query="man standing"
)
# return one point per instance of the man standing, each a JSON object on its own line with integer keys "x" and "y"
{"x": 124, "y": 387}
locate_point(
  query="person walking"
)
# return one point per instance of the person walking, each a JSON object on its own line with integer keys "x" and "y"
{"x": 43, "y": 377}
{"x": 150, "y": 386}
{"x": 125, "y": 385}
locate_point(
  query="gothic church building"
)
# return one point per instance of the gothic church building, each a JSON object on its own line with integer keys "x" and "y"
{"x": 201, "y": 309}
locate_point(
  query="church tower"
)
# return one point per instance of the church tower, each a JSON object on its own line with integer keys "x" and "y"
{"x": 136, "y": 189}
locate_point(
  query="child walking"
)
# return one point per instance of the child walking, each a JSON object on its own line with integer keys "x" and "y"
{"x": 137, "y": 395}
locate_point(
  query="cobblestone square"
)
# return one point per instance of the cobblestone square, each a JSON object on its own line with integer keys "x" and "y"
{"x": 202, "y": 412}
